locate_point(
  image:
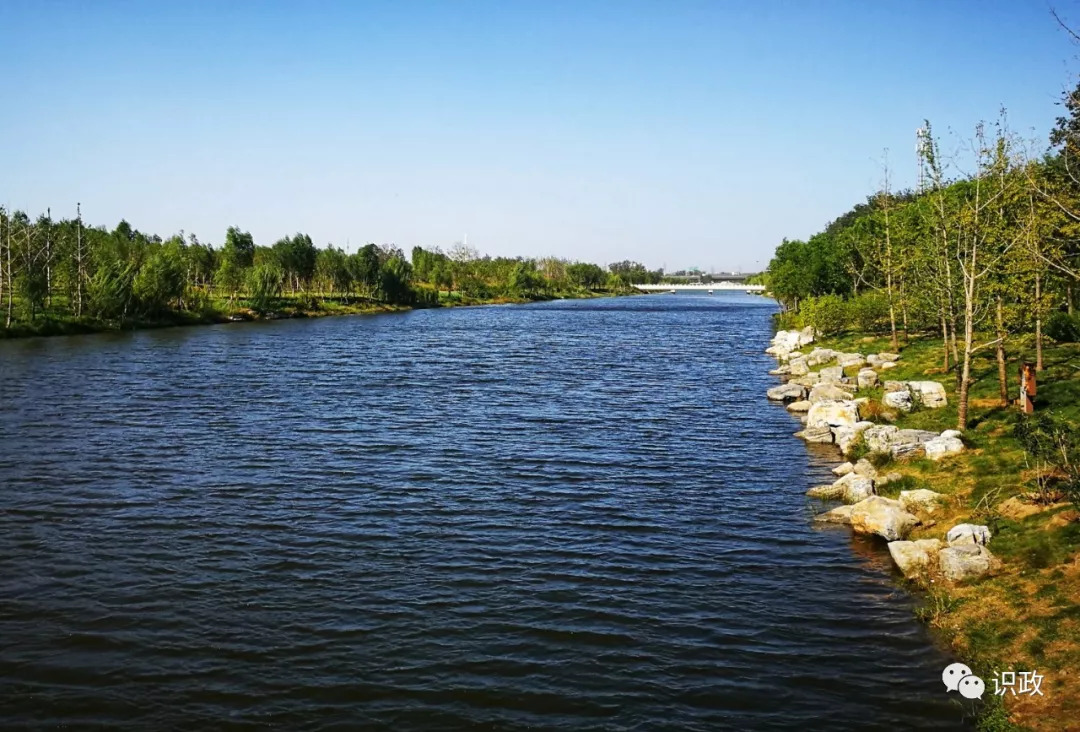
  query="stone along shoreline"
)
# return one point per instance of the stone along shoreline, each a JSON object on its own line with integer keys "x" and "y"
{"x": 834, "y": 405}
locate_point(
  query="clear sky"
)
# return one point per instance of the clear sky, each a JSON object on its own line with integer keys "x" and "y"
{"x": 672, "y": 132}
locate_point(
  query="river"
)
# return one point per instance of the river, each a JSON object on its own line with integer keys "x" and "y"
{"x": 569, "y": 515}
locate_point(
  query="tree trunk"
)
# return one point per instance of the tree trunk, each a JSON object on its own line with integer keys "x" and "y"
{"x": 1003, "y": 377}
{"x": 945, "y": 339}
{"x": 965, "y": 372}
{"x": 1038, "y": 323}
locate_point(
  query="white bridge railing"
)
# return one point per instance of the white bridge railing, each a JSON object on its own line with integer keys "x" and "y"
{"x": 702, "y": 287}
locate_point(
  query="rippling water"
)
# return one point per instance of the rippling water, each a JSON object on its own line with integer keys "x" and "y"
{"x": 573, "y": 515}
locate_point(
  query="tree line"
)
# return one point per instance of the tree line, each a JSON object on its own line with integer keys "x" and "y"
{"x": 62, "y": 270}
{"x": 985, "y": 259}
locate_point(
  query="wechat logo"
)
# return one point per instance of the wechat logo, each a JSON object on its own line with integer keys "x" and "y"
{"x": 958, "y": 677}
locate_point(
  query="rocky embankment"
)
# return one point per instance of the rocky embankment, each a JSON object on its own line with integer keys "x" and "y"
{"x": 836, "y": 396}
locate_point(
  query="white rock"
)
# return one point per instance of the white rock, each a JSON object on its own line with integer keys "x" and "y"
{"x": 886, "y": 365}
{"x": 851, "y": 359}
{"x": 833, "y": 374}
{"x": 798, "y": 367}
{"x": 930, "y": 394}
{"x": 886, "y": 356}
{"x": 839, "y": 515}
{"x": 826, "y": 492}
{"x": 815, "y": 434}
{"x": 856, "y": 488}
{"x": 865, "y": 468}
{"x": 828, "y": 392}
{"x": 843, "y": 469}
{"x": 803, "y": 405}
{"x": 966, "y": 561}
{"x": 867, "y": 379}
{"x": 806, "y": 336}
{"x": 914, "y": 557}
{"x": 920, "y": 500}
{"x": 786, "y": 392}
{"x": 968, "y": 534}
{"x": 898, "y": 400}
{"x": 835, "y": 413}
{"x": 847, "y": 435}
{"x": 943, "y": 447}
{"x": 882, "y": 516}
{"x": 952, "y": 433}
{"x": 820, "y": 356}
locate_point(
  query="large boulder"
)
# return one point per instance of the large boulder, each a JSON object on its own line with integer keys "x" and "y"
{"x": 930, "y": 394}
{"x": 816, "y": 434}
{"x": 824, "y": 392}
{"x": 943, "y": 447}
{"x": 846, "y": 360}
{"x": 843, "y": 469}
{"x": 848, "y": 434}
{"x": 820, "y": 356}
{"x": 839, "y": 515}
{"x": 882, "y": 516}
{"x": 856, "y": 488}
{"x": 965, "y": 561}
{"x": 968, "y": 534}
{"x": 826, "y": 492}
{"x": 867, "y": 379}
{"x": 832, "y": 374}
{"x": 798, "y": 367}
{"x": 832, "y": 413}
{"x": 920, "y": 500}
{"x": 901, "y": 400}
{"x": 897, "y": 442}
{"x": 866, "y": 469}
{"x": 914, "y": 557}
{"x": 786, "y": 393}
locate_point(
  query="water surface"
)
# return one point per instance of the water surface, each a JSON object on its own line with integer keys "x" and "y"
{"x": 569, "y": 515}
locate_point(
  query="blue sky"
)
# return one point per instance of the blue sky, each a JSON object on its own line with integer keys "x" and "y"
{"x": 676, "y": 133}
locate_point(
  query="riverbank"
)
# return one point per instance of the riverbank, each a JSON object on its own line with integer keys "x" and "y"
{"x": 288, "y": 307}
{"x": 997, "y": 566}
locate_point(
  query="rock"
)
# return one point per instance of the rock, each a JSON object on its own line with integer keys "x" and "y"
{"x": 968, "y": 534}
{"x": 803, "y": 405}
{"x": 920, "y": 500}
{"x": 898, "y": 400}
{"x": 824, "y": 392}
{"x": 895, "y": 386}
{"x": 832, "y": 414}
{"x": 930, "y": 394}
{"x": 839, "y": 515}
{"x": 886, "y": 356}
{"x": 952, "y": 433}
{"x": 882, "y": 516}
{"x": 820, "y": 356}
{"x": 847, "y": 435}
{"x": 856, "y": 488}
{"x": 843, "y": 469}
{"x": 966, "y": 561}
{"x": 815, "y": 434}
{"x": 867, "y": 379}
{"x": 874, "y": 360}
{"x": 806, "y": 336}
{"x": 846, "y": 360}
{"x": 780, "y": 371}
{"x": 914, "y": 557}
{"x": 798, "y": 367}
{"x": 890, "y": 477}
{"x": 911, "y": 443}
{"x": 786, "y": 393}
{"x": 826, "y": 492}
{"x": 833, "y": 374}
{"x": 865, "y": 469}
{"x": 943, "y": 447}
{"x": 885, "y": 366}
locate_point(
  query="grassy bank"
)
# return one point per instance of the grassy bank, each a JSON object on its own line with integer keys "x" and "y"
{"x": 57, "y": 319}
{"x": 1025, "y": 616}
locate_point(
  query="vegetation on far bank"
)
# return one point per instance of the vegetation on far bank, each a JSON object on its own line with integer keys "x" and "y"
{"x": 63, "y": 277}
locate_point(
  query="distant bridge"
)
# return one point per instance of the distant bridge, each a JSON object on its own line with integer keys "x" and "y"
{"x": 700, "y": 287}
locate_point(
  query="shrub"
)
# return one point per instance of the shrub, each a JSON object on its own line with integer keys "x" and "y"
{"x": 870, "y": 312}
{"x": 829, "y": 314}
{"x": 1051, "y": 443}
{"x": 1063, "y": 328}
